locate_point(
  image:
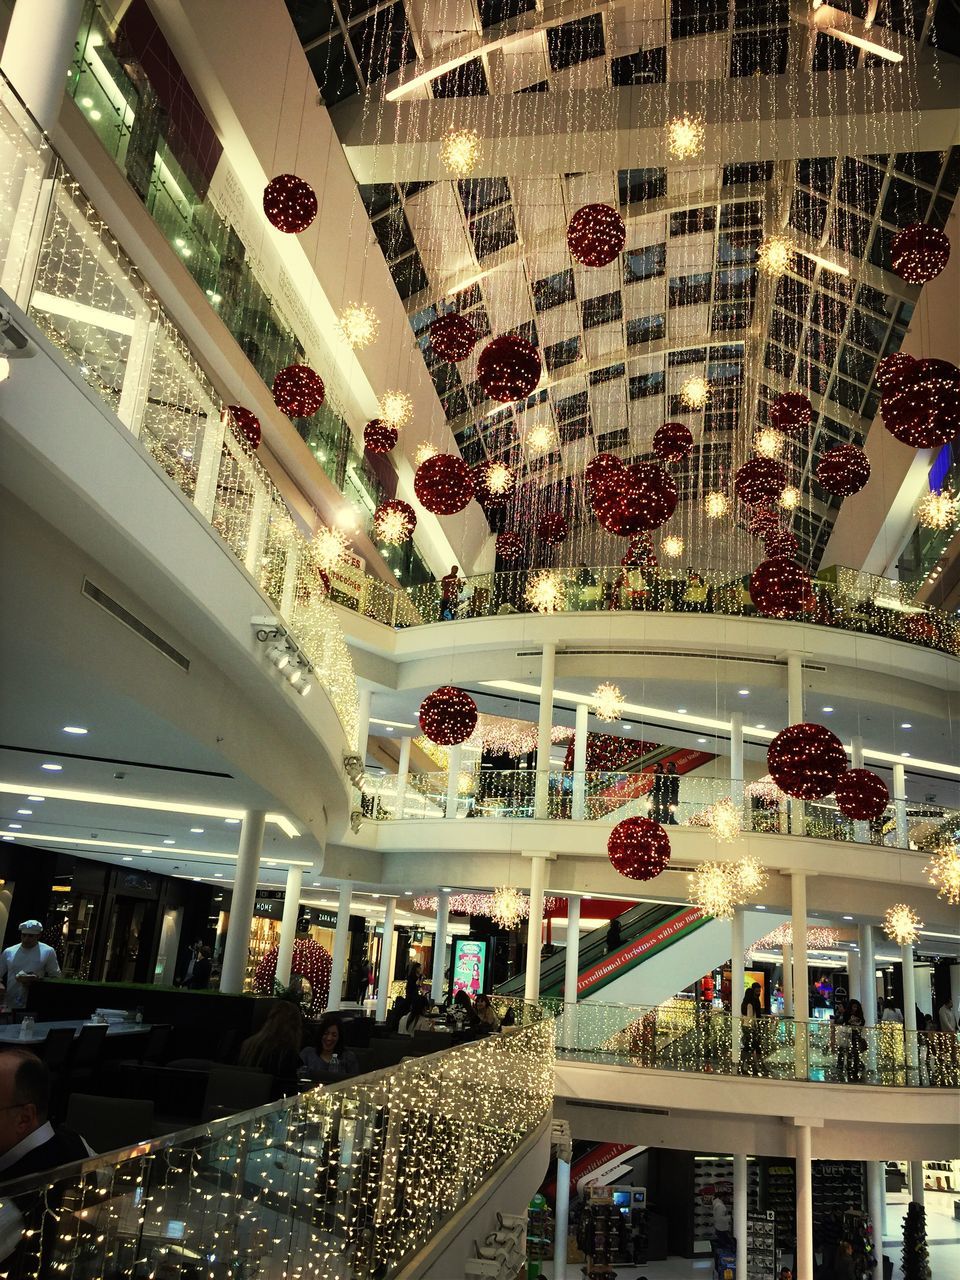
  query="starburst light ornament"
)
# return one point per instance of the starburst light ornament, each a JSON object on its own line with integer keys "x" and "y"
{"x": 396, "y": 409}
{"x": 508, "y": 907}
{"x": 394, "y": 521}
{"x": 358, "y": 325}
{"x": 499, "y": 478}
{"x": 713, "y": 889}
{"x": 902, "y": 924}
{"x": 775, "y": 255}
{"x": 330, "y": 547}
{"x": 768, "y": 442}
{"x": 751, "y": 876}
{"x": 725, "y": 819}
{"x": 672, "y": 546}
{"x": 424, "y": 451}
{"x": 607, "y": 702}
{"x": 716, "y": 505}
{"x": 943, "y": 872}
{"x": 790, "y": 498}
{"x": 460, "y": 151}
{"x": 685, "y": 137}
{"x": 695, "y": 392}
{"x": 546, "y": 592}
{"x": 937, "y": 510}
{"x": 540, "y": 440}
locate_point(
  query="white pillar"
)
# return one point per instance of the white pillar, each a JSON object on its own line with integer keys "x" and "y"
{"x": 876, "y": 1196}
{"x": 386, "y": 960}
{"x": 571, "y": 972}
{"x": 288, "y": 924}
{"x": 736, "y": 760}
{"x": 363, "y": 724}
{"x": 861, "y": 830}
{"x": 900, "y": 805}
{"x": 916, "y": 1181}
{"x": 787, "y": 980}
{"x": 236, "y": 949}
{"x": 853, "y": 970}
{"x": 440, "y": 945}
{"x": 804, "y": 1259}
{"x": 403, "y": 773}
{"x": 736, "y": 981}
{"x": 538, "y": 876}
{"x": 910, "y": 1047}
{"x": 580, "y": 734}
{"x": 544, "y": 725}
{"x": 453, "y": 780}
{"x": 868, "y": 994}
{"x": 801, "y": 990}
{"x": 341, "y": 937}
{"x": 795, "y": 716}
{"x": 562, "y": 1226}
{"x": 208, "y": 464}
{"x": 37, "y": 53}
{"x": 740, "y": 1211}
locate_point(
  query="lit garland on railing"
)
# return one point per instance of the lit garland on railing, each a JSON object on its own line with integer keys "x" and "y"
{"x": 943, "y": 871}
{"x": 503, "y": 736}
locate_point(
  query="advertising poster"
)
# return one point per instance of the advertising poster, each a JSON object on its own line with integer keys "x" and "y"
{"x": 469, "y": 958}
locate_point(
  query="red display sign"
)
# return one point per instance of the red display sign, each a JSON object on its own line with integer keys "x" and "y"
{"x": 621, "y": 960}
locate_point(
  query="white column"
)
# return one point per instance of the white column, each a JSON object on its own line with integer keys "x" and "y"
{"x": 386, "y": 960}
{"x": 740, "y": 1211}
{"x": 571, "y": 972}
{"x": 544, "y": 725}
{"x": 341, "y": 937}
{"x": 208, "y": 464}
{"x": 453, "y": 779}
{"x": 562, "y": 1226}
{"x": 440, "y": 945}
{"x": 736, "y": 760}
{"x": 876, "y": 1195}
{"x": 538, "y": 876}
{"x": 795, "y": 716}
{"x": 804, "y": 1259}
{"x": 403, "y": 773}
{"x": 37, "y": 53}
{"x": 137, "y": 371}
{"x": 801, "y": 990}
{"x": 861, "y": 830}
{"x": 868, "y": 994}
{"x": 363, "y": 723}
{"x": 916, "y": 1181}
{"x": 736, "y": 981}
{"x": 288, "y": 924}
{"x": 910, "y": 1014}
{"x": 787, "y": 980}
{"x": 853, "y": 970}
{"x": 580, "y": 733}
{"x": 236, "y": 949}
{"x": 900, "y": 805}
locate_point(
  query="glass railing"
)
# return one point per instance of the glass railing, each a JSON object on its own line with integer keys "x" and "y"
{"x": 68, "y": 273}
{"x": 501, "y": 794}
{"x": 346, "y": 1181}
{"x": 682, "y": 1036}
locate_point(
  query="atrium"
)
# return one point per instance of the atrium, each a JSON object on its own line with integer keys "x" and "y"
{"x": 480, "y": 699}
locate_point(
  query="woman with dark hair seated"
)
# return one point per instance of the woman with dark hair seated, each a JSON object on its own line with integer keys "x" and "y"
{"x": 416, "y": 1019}
{"x": 330, "y": 1061}
{"x": 275, "y": 1048}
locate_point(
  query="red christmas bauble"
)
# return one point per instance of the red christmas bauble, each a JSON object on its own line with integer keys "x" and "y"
{"x": 926, "y": 413}
{"x": 448, "y": 716}
{"x": 604, "y": 467}
{"x": 781, "y": 543}
{"x": 792, "y": 414}
{"x": 895, "y": 371}
{"x": 759, "y": 480}
{"x": 384, "y": 526}
{"x": 290, "y": 204}
{"x": 861, "y": 794}
{"x": 919, "y": 253}
{"x": 508, "y": 368}
{"x": 764, "y": 523}
{"x": 552, "y": 528}
{"x": 805, "y": 761}
{"x": 509, "y": 545}
{"x": 639, "y": 848}
{"x": 843, "y": 470}
{"x": 379, "y": 437}
{"x": 245, "y": 425}
{"x": 298, "y": 391}
{"x": 443, "y": 484}
{"x": 596, "y": 235}
{"x": 452, "y": 337}
{"x": 642, "y": 496}
{"x": 672, "y": 442}
{"x": 781, "y": 588}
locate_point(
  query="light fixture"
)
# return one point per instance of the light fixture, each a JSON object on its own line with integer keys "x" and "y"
{"x": 168, "y": 840}
{"x": 358, "y": 325}
{"x": 196, "y": 831}
{"x": 759, "y": 726}
{"x": 460, "y": 151}
{"x": 607, "y": 702}
{"x": 724, "y": 819}
{"x": 279, "y": 655}
{"x": 685, "y": 137}
{"x": 396, "y": 409}
{"x": 713, "y": 889}
{"x": 768, "y": 442}
{"x": 393, "y": 523}
{"x": 25, "y": 812}
{"x": 425, "y": 451}
{"x": 943, "y": 872}
{"x": 329, "y": 546}
{"x": 231, "y": 822}
{"x": 4, "y": 368}
{"x": 508, "y": 907}
{"x": 498, "y": 477}
{"x": 743, "y": 692}
{"x": 790, "y": 498}
{"x": 775, "y": 255}
{"x": 716, "y": 504}
{"x": 847, "y": 917}
{"x": 701, "y": 739}
{"x": 51, "y": 767}
{"x": 902, "y": 924}
{"x": 938, "y": 510}
{"x": 37, "y": 799}
{"x": 126, "y": 858}
{"x": 546, "y": 592}
{"x": 74, "y": 728}
{"x": 695, "y": 392}
{"x": 15, "y": 826}
{"x": 540, "y": 440}
{"x": 826, "y": 710}
{"x": 681, "y": 711}
{"x": 906, "y": 725}
{"x": 672, "y": 546}
{"x": 751, "y": 876}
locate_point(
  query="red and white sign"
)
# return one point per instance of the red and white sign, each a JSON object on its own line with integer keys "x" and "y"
{"x": 610, "y": 965}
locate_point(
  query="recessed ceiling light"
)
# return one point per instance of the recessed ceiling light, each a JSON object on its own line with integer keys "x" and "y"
{"x": 905, "y": 753}
{"x": 15, "y": 826}
{"x": 127, "y": 858}
{"x": 8, "y": 837}
{"x": 743, "y": 692}
{"x": 218, "y": 875}
{"x": 389, "y": 728}
{"x": 26, "y": 812}
{"x": 446, "y": 889}
{"x": 169, "y": 841}
{"x": 759, "y": 726}
{"x": 196, "y": 879}
{"x": 827, "y": 709}
{"x": 761, "y": 908}
{"x": 146, "y": 851}
{"x": 628, "y": 728}
{"x": 74, "y": 728}
{"x": 36, "y": 799}
{"x": 701, "y": 739}
{"x": 906, "y": 725}
{"x": 52, "y": 768}
{"x": 848, "y": 917}
{"x": 232, "y": 822}
{"x": 408, "y": 893}
{"x": 681, "y": 711}
{"x": 197, "y": 831}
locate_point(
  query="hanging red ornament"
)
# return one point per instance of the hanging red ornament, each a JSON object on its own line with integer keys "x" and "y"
{"x": 843, "y": 470}
{"x": 781, "y": 588}
{"x": 805, "y": 760}
{"x": 452, "y": 337}
{"x": 792, "y": 414}
{"x": 509, "y": 545}
{"x": 443, "y": 484}
{"x": 604, "y": 467}
{"x": 764, "y": 523}
{"x": 394, "y": 521}
{"x": 895, "y": 371}
{"x": 926, "y": 413}
{"x": 448, "y": 716}
{"x": 378, "y": 437}
{"x": 298, "y": 391}
{"x": 552, "y": 528}
{"x": 672, "y": 442}
{"x": 759, "y": 480}
{"x": 245, "y": 425}
{"x": 508, "y": 368}
{"x": 781, "y": 543}
{"x": 311, "y": 963}
{"x": 596, "y": 235}
{"x": 642, "y": 496}
{"x": 639, "y": 848}
{"x": 861, "y": 794}
{"x": 289, "y": 203}
{"x": 919, "y": 253}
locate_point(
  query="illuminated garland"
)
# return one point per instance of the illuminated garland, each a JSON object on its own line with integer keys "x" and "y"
{"x": 943, "y": 871}
{"x": 818, "y": 938}
{"x": 484, "y": 904}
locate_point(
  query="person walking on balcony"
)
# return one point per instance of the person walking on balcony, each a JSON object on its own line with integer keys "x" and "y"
{"x": 450, "y": 587}
{"x": 751, "y": 1011}
{"x": 947, "y": 1017}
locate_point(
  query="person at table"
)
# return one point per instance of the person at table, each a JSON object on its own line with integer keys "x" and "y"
{"x": 24, "y": 964}
{"x": 329, "y": 1060}
{"x": 417, "y": 1018}
{"x": 485, "y": 1014}
{"x": 414, "y": 979}
{"x": 275, "y": 1048}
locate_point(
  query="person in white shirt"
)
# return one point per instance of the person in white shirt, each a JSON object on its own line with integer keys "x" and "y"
{"x": 24, "y": 964}
{"x": 948, "y": 1017}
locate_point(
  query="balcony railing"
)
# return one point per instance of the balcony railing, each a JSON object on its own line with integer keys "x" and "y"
{"x": 344, "y": 1181}
{"x": 61, "y": 264}
{"x": 683, "y": 1036}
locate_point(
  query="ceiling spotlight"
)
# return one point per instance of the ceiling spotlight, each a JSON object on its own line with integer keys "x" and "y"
{"x": 196, "y": 831}
{"x": 775, "y": 255}
{"x": 358, "y": 325}
{"x": 279, "y": 656}
{"x": 743, "y": 692}
{"x": 51, "y": 767}
{"x": 460, "y": 151}
{"x": 906, "y": 725}
{"x": 826, "y": 710}
{"x": 25, "y": 812}
{"x": 695, "y": 392}
{"x": 40, "y": 799}
{"x": 74, "y": 728}
{"x": 685, "y": 137}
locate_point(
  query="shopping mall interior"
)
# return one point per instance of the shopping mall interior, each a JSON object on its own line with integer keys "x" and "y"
{"x": 480, "y": 699}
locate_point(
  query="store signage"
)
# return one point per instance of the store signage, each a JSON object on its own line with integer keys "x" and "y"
{"x": 625, "y": 959}
{"x": 469, "y": 959}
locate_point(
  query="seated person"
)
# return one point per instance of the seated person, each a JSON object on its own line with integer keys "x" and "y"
{"x": 331, "y": 1061}
{"x": 275, "y": 1048}
{"x": 417, "y": 1018}
{"x": 485, "y": 1014}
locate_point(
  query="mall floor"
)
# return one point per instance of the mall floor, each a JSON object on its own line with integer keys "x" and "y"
{"x": 943, "y": 1237}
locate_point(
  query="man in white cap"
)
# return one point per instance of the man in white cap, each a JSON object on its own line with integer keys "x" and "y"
{"x": 23, "y": 965}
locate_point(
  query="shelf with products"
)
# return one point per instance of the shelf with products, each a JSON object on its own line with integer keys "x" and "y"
{"x": 779, "y": 1193}
{"x": 713, "y": 1177}
{"x": 839, "y": 1187}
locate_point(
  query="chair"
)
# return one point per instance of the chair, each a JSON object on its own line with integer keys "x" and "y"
{"x": 55, "y": 1050}
{"x": 154, "y": 1045}
{"x": 109, "y": 1123}
{"x": 87, "y": 1048}
{"x": 231, "y": 1089}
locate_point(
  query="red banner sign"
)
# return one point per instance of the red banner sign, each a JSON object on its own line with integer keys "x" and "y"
{"x": 610, "y": 965}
